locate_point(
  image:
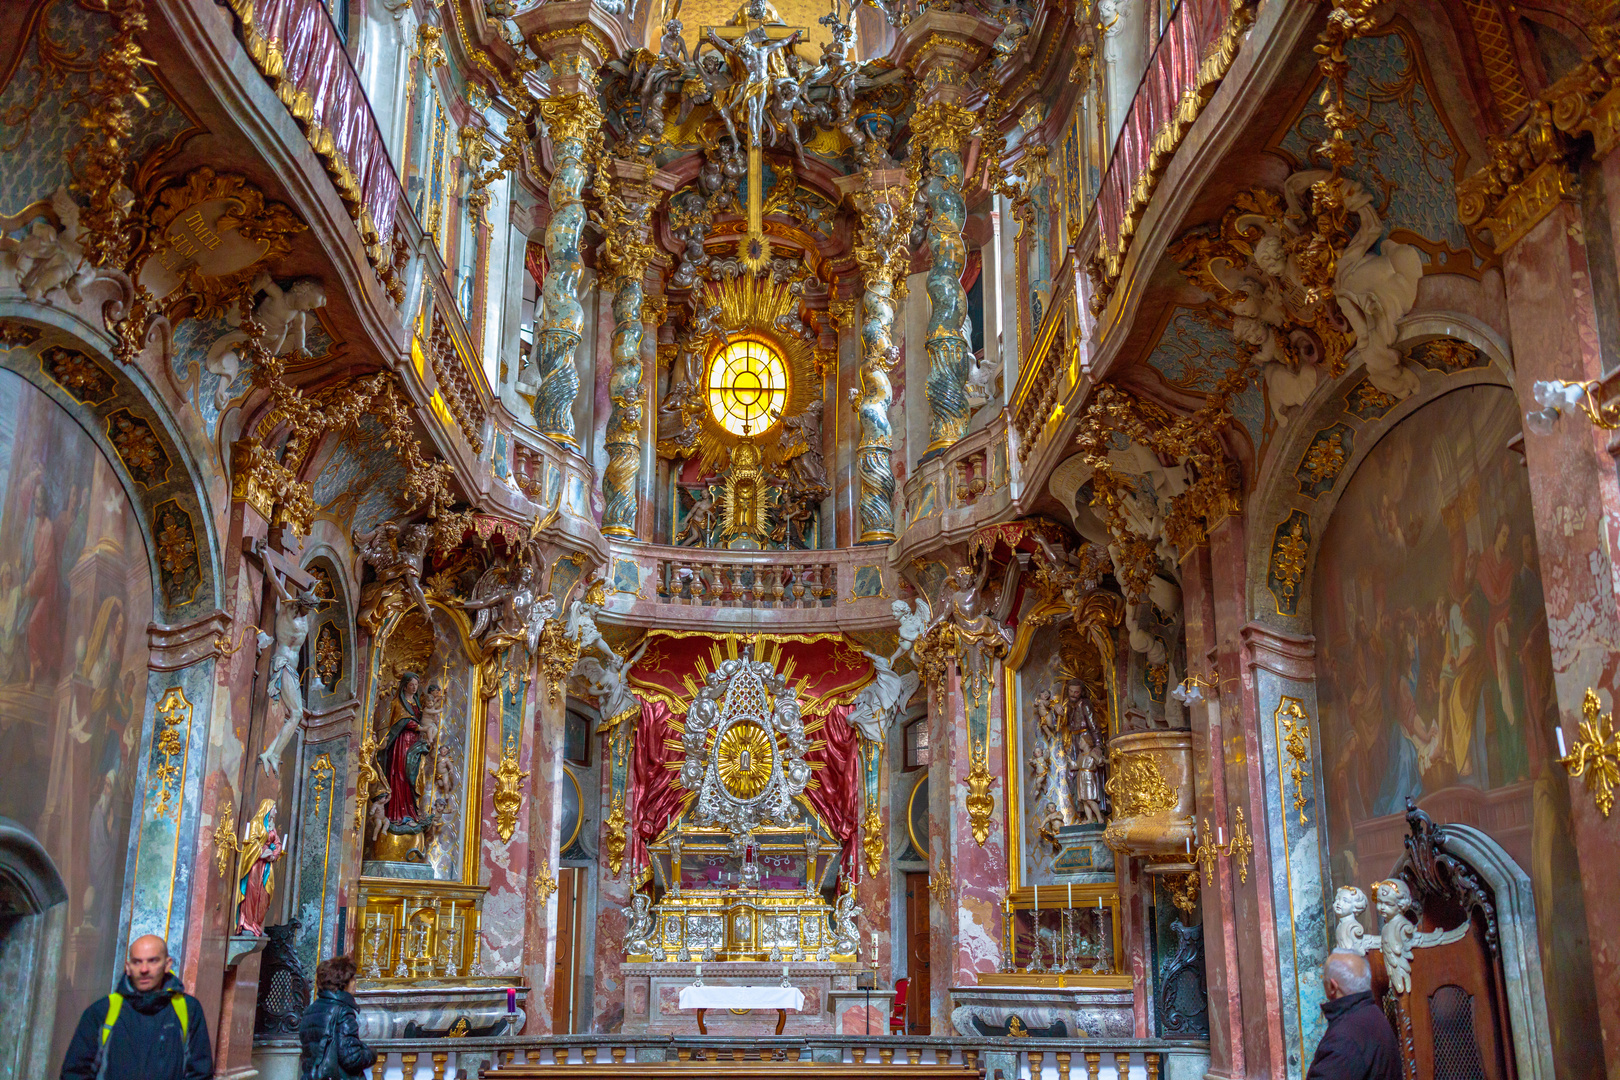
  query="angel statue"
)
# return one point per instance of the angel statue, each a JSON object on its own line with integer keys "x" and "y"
{"x": 664, "y": 75}
{"x": 256, "y": 875}
{"x": 507, "y": 610}
{"x": 1400, "y": 936}
{"x": 292, "y": 628}
{"x": 396, "y": 555}
{"x": 845, "y": 912}
{"x": 582, "y": 613}
{"x": 609, "y": 683}
{"x": 914, "y": 622}
{"x": 638, "y": 930}
{"x": 877, "y": 701}
{"x": 48, "y": 258}
{"x": 282, "y": 316}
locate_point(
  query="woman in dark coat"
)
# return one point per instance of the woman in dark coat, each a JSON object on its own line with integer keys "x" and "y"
{"x": 330, "y": 1028}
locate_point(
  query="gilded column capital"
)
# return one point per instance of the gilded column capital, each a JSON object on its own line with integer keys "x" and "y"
{"x": 571, "y": 116}
{"x": 942, "y": 125}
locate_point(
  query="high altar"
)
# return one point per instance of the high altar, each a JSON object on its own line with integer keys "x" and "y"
{"x": 739, "y": 881}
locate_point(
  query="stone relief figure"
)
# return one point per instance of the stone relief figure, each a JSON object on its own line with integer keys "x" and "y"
{"x": 1348, "y": 933}
{"x": 285, "y": 687}
{"x": 396, "y": 555}
{"x": 874, "y": 707}
{"x": 638, "y": 931}
{"x": 1055, "y": 769}
{"x": 48, "y": 258}
{"x": 282, "y": 313}
{"x": 262, "y": 847}
{"x": 1374, "y": 292}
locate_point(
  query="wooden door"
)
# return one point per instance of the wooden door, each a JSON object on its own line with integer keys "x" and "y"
{"x": 570, "y": 886}
{"x": 917, "y": 928}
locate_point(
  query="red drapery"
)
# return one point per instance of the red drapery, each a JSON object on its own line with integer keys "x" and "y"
{"x": 823, "y": 667}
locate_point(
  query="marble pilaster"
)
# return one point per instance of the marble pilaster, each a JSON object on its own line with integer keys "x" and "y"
{"x": 1575, "y": 495}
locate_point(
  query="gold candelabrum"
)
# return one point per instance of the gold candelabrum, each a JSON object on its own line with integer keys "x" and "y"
{"x": 420, "y": 931}
{"x": 1595, "y": 754}
{"x": 1241, "y": 846}
{"x": 1082, "y": 948}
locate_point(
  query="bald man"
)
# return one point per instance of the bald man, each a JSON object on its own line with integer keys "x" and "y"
{"x": 148, "y": 1028}
{"x": 1359, "y": 1044}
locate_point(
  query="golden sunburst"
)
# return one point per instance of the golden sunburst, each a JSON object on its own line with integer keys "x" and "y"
{"x": 744, "y": 756}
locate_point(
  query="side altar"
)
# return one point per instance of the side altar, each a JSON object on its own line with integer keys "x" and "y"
{"x": 741, "y": 883}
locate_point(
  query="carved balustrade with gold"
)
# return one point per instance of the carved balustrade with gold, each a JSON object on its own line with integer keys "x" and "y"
{"x": 952, "y": 494}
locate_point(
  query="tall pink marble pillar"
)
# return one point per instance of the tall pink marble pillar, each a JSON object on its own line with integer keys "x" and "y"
{"x": 543, "y": 715}
{"x": 1576, "y": 498}
{"x": 967, "y": 879}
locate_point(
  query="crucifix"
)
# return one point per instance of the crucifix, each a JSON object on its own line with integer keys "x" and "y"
{"x": 755, "y": 44}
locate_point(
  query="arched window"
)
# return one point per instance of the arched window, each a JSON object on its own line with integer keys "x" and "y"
{"x": 747, "y": 387}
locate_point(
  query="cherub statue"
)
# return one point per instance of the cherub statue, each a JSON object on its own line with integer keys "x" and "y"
{"x": 875, "y": 704}
{"x": 847, "y": 935}
{"x": 581, "y": 624}
{"x": 47, "y": 259}
{"x": 663, "y": 76}
{"x": 706, "y": 322}
{"x": 914, "y": 620}
{"x": 783, "y": 107}
{"x": 1015, "y": 28}
{"x": 1348, "y": 934}
{"x": 964, "y": 600}
{"x": 608, "y": 681}
{"x": 292, "y": 628}
{"x": 282, "y": 313}
{"x": 1401, "y": 935}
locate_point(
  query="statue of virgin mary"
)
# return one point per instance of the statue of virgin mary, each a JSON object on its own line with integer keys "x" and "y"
{"x": 404, "y": 758}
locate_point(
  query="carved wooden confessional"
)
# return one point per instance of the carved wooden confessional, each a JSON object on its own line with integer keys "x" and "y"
{"x": 1452, "y": 1022}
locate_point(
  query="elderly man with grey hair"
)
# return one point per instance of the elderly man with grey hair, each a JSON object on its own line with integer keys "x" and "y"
{"x": 1359, "y": 1043}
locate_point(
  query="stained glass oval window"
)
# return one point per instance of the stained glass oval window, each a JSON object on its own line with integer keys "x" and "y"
{"x": 747, "y": 387}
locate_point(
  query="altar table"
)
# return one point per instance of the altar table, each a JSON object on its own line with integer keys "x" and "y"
{"x": 780, "y": 998}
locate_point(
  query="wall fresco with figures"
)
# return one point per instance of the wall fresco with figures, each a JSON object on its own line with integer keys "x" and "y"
{"x": 75, "y": 600}
{"x": 1436, "y": 674}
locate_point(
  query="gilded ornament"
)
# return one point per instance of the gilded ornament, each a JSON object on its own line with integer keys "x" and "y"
{"x": 367, "y": 776}
{"x": 1184, "y": 893}
{"x": 744, "y": 756}
{"x": 559, "y": 652}
{"x": 941, "y": 885}
{"x": 225, "y": 842}
{"x": 872, "y": 840}
{"x": 14, "y": 334}
{"x": 329, "y": 655}
{"x": 545, "y": 884}
{"x": 613, "y": 834}
{"x": 1296, "y": 741}
{"x": 138, "y": 447}
{"x": 173, "y": 718}
{"x": 78, "y": 374}
{"x": 1324, "y": 459}
{"x": 979, "y": 802}
{"x": 1138, "y": 787}
{"x": 1288, "y": 557}
{"x": 1596, "y": 753}
{"x": 942, "y": 125}
{"x": 177, "y": 553}
{"x": 1241, "y": 846}
{"x": 507, "y": 796}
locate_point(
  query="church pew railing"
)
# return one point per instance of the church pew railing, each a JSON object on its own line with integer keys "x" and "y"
{"x": 999, "y": 1058}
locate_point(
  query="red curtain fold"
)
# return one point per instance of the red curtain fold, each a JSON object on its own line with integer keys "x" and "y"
{"x": 655, "y": 798}
{"x": 834, "y": 792}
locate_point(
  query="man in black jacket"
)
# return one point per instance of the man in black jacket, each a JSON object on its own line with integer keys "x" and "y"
{"x": 1359, "y": 1044}
{"x": 149, "y": 1028}
{"x": 329, "y": 1030}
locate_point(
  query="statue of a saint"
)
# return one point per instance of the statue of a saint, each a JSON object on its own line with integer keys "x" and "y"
{"x": 403, "y": 758}
{"x": 261, "y": 848}
{"x": 1088, "y": 786}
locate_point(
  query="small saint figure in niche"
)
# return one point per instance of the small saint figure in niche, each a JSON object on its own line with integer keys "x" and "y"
{"x": 261, "y": 848}
{"x": 1088, "y": 787}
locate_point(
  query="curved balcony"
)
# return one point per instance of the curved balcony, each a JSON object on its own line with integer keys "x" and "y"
{"x": 732, "y": 591}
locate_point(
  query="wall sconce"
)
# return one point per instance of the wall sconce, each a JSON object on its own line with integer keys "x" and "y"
{"x": 1190, "y": 691}
{"x": 1241, "y": 845}
{"x": 1558, "y": 396}
{"x": 1596, "y": 755}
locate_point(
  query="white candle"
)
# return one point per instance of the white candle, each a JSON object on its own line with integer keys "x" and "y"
{"x": 784, "y": 971}
{"x": 1220, "y": 834}
{"x": 1037, "y": 898}
{"x": 1071, "y": 895}
{"x": 1099, "y": 903}
{"x": 1189, "y": 845}
{"x": 1561, "y": 751}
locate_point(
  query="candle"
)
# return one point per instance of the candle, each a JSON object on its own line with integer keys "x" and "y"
{"x": 511, "y": 1000}
{"x": 784, "y": 973}
{"x": 1189, "y": 845}
{"x": 1561, "y": 751}
{"x": 1099, "y": 903}
{"x": 1037, "y": 898}
{"x": 1220, "y": 834}
{"x": 1071, "y": 894}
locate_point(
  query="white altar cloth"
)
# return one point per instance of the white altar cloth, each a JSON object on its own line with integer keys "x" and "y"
{"x": 742, "y": 997}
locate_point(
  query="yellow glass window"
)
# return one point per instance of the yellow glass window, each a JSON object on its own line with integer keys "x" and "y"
{"x": 747, "y": 387}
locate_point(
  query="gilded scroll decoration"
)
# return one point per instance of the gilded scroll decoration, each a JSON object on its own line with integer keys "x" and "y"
{"x": 508, "y": 797}
{"x": 1596, "y": 753}
{"x": 173, "y": 739}
{"x": 1294, "y": 727}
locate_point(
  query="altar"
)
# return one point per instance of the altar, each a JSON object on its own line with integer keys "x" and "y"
{"x": 745, "y": 904}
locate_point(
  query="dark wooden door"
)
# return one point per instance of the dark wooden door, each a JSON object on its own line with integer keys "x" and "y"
{"x": 917, "y": 954}
{"x": 570, "y": 884}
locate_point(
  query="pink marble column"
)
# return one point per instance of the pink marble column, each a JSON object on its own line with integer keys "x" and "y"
{"x": 1234, "y": 735}
{"x": 1576, "y": 498}
{"x": 612, "y": 900}
{"x": 1221, "y": 977}
{"x": 965, "y": 931}
{"x": 873, "y": 894}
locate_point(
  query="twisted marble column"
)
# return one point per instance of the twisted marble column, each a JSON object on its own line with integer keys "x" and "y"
{"x": 570, "y": 118}
{"x": 624, "y": 425}
{"x": 874, "y": 468}
{"x": 943, "y": 128}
